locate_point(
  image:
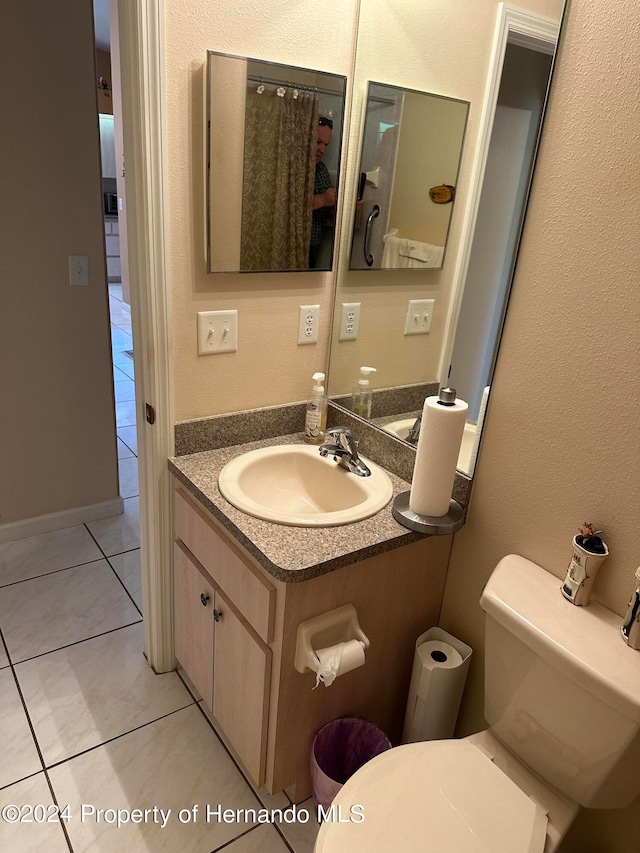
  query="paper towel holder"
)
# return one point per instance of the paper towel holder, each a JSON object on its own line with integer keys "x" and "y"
{"x": 434, "y": 525}
{"x": 336, "y": 626}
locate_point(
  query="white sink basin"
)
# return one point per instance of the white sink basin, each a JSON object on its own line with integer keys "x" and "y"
{"x": 294, "y": 485}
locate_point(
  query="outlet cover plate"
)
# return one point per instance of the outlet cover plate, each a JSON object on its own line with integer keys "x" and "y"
{"x": 350, "y": 321}
{"x": 217, "y": 331}
{"x": 308, "y": 323}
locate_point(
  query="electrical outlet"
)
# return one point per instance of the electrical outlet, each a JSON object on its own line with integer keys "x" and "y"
{"x": 419, "y": 314}
{"x": 350, "y": 321}
{"x": 78, "y": 270}
{"x": 217, "y": 331}
{"x": 308, "y": 323}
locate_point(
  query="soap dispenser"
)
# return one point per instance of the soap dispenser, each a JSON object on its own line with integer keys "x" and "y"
{"x": 631, "y": 626}
{"x": 315, "y": 421}
{"x": 362, "y": 396}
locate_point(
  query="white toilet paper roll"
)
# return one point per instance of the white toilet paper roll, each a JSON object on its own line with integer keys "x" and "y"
{"x": 338, "y": 659}
{"x": 437, "y": 682}
{"x": 437, "y": 456}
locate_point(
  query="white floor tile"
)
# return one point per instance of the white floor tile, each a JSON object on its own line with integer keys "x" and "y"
{"x": 174, "y": 763}
{"x": 34, "y": 837}
{"x": 4, "y": 660}
{"x": 48, "y": 552}
{"x": 115, "y": 290}
{"x": 46, "y": 613}
{"x": 123, "y": 451}
{"x": 125, "y": 391}
{"x": 126, "y": 414}
{"x": 118, "y": 533}
{"x": 86, "y": 694}
{"x": 127, "y": 567}
{"x": 129, "y": 436}
{"x": 262, "y": 839}
{"x": 125, "y": 366}
{"x": 119, "y": 375}
{"x": 302, "y": 836}
{"x": 18, "y": 753}
{"x": 128, "y": 477}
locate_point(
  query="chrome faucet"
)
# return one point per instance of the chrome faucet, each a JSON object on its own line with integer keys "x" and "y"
{"x": 339, "y": 443}
{"x": 414, "y": 433}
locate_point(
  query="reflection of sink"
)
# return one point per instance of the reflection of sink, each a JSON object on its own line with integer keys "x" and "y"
{"x": 401, "y": 430}
{"x": 293, "y": 484}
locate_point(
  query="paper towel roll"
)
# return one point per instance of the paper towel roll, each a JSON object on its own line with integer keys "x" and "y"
{"x": 437, "y": 682}
{"x": 338, "y": 659}
{"x": 437, "y": 456}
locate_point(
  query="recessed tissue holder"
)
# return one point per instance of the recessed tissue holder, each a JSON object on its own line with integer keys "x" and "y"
{"x": 328, "y": 632}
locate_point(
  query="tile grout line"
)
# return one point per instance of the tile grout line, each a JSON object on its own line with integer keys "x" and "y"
{"x": 37, "y": 745}
{"x": 120, "y": 581}
{"x": 237, "y": 765}
{"x": 77, "y": 642}
{"x": 57, "y": 571}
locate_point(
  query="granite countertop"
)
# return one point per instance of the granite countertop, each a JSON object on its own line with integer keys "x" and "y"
{"x": 289, "y": 553}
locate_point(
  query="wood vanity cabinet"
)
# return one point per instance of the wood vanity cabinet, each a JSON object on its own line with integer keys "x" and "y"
{"x": 235, "y": 637}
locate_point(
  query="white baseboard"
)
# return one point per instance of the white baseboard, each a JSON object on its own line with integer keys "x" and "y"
{"x": 57, "y": 520}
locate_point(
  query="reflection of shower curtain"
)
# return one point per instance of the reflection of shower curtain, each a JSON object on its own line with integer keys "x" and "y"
{"x": 279, "y": 171}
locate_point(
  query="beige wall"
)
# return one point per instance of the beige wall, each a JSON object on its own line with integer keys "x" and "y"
{"x": 269, "y": 366}
{"x": 57, "y": 429}
{"x": 561, "y": 442}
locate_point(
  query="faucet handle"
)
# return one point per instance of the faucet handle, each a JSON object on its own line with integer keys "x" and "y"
{"x": 339, "y": 430}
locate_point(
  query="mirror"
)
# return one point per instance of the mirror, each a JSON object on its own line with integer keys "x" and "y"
{"x": 425, "y": 328}
{"x": 409, "y": 162}
{"x": 274, "y": 136}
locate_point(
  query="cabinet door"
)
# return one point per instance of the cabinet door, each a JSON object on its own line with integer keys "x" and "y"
{"x": 193, "y": 622}
{"x": 242, "y": 672}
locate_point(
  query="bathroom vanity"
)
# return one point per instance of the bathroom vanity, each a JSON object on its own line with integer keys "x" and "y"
{"x": 242, "y": 586}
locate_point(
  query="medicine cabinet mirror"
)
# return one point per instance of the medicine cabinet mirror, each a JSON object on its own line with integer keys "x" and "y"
{"x": 422, "y": 328}
{"x": 274, "y": 136}
{"x": 409, "y": 162}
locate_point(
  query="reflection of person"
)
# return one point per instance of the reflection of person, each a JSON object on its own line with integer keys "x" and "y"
{"x": 324, "y": 195}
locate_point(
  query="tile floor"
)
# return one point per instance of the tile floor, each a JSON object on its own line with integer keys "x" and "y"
{"x": 84, "y": 722}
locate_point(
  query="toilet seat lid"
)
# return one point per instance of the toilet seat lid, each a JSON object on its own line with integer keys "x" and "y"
{"x": 433, "y": 797}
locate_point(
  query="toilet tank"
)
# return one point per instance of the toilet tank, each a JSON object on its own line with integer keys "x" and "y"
{"x": 562, "y": 689}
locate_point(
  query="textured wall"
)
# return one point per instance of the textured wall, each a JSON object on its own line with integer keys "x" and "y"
{"x": 561, "y": 437}
{"x": 57, "y": 419}
{"x": 269, "y": 367}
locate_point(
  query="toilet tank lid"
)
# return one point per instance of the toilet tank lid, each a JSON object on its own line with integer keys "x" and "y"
{"x": 584, "y": 643}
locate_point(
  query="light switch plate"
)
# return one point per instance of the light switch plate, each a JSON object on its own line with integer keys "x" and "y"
{"x": 350, "y": 321}
{"x": 419, "y": 314}
{"x": 217, "y": 331}
{"x": 78, "y": 270}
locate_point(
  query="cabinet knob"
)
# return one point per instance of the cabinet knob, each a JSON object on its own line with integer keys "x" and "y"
{"x": 217, "y": 615}
{"x": 204, "y": 598}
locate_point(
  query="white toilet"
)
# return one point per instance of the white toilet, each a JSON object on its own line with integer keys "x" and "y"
{"x": 562, "y": 698}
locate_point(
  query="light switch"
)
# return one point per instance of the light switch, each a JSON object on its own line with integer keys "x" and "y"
{"x": 217, "y": 331}
{"x": 419, "y": 314}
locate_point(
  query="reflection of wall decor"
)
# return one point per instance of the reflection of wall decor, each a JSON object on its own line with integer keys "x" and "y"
{"x": 444, "y": 194}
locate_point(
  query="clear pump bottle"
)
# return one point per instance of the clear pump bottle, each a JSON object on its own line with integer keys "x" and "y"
{"x": 315, "y": 421}
{"x": 362, "y": 396}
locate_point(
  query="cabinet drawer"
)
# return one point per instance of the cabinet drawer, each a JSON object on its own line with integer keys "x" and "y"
{"x": 247, "y": 590}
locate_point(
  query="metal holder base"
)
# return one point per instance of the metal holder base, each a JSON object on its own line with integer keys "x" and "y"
{"x": 434, "y": 525}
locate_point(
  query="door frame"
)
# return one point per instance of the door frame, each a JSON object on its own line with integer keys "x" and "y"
{"x": 141, "y": 36}
{"x": 535, "y": 32}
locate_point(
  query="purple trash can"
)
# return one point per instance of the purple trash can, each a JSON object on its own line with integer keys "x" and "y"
{"x": 339, "y": 749}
